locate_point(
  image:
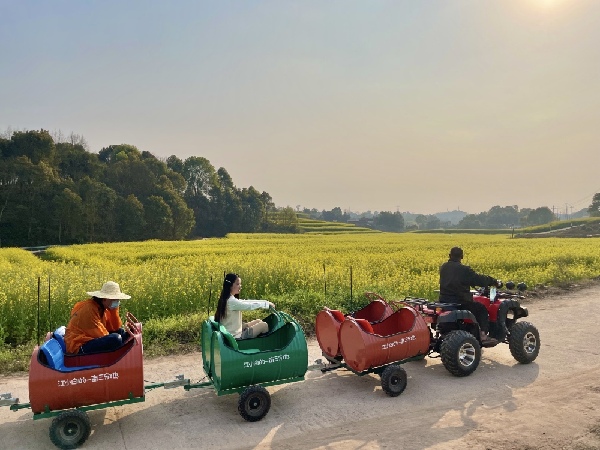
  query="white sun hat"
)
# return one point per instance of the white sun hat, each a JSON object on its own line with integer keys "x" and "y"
{"x": 110, "y": 290}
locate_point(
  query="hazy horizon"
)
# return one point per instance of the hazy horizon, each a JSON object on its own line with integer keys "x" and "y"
{"x": 425, "y": 106}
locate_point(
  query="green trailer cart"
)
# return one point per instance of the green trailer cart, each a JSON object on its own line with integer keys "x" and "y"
{"x": 247, "y": 366}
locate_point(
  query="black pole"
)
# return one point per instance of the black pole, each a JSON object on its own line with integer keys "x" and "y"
{"x": 209, "y": 297}
{"x": 49, "y": 308}
{"x": 351, "y": 302}
{"x": 38, "y": 312}
{"x": 325, "y": 281}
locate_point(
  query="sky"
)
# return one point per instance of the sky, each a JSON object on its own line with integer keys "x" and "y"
{"x": 406, "y": 105}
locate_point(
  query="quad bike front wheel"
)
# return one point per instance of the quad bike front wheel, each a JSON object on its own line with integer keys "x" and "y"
{"x": 70, "y": 429}
{"x": 460, "y": 353}
{"x": 254, "y": 403}
{"x": 524, "y": 342}
{"x": 393, "y": 380}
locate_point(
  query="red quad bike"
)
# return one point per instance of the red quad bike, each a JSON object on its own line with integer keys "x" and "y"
{"x": 455, "y": 331}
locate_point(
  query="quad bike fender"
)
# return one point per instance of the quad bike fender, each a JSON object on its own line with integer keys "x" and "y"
{"x": 500, "y": 324}
{"x": 448, "y": 319}
{"x": 514, "y": 306}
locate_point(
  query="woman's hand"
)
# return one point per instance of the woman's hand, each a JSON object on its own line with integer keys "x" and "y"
{"x": 271, "y": 305}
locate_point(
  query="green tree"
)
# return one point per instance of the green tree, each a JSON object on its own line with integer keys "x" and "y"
{"x": 130, "y": 220}
{"x": 131, "y": 177}
{"x": 175, "y": 164}
{"x": 98, "y": 210}
{"x": 201, "y": 179}
{"x": 183, "y": 217}
{"x": 159, "y": 218}
{"x": 254, "y": 210}
{"x": 335, "y": 215}
{"x": 69, "y": 209}
{"x": 594, "y": 208}
{"x": 501, "y": 217}
{"x": 75, "y": 162}
{"x": 29, "y": 214}
{"x": 469, "y": 222}
{"x": 227, "y": 205}
{"x": 427, "y": 222}
{"x": 114, "y": 153}
{"x": 388, "y": 221}
{"x": 282, "y": 220}
{"x": 540, "y": 216}
{"x": 35, "y": 145}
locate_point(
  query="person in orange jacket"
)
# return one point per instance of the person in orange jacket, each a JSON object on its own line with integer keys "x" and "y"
{"x": 95, "y": 324}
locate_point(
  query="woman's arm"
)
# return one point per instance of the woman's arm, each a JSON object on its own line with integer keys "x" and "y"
{"x": 235, "y": 304}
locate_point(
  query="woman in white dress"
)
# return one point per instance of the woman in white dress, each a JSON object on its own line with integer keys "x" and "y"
{"x": 230, "y": 307}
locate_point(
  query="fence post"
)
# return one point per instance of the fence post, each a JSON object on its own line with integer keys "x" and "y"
{"x": 38, "y": 311}
{"x": 209, "y": 296}
{"x": 49, "y": 308}
{"x": 351, "y": 299}
{"x": 325, "y": 282}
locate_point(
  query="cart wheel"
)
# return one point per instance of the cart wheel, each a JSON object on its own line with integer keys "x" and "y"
{"x": 393, "y": 380}
{"x": 70, "y": 429}
{"x": 254, "y": 403}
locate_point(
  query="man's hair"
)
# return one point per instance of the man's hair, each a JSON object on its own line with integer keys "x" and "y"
{"x": 456, "y": 253}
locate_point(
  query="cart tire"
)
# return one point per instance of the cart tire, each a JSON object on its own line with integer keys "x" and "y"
{"x": 393, "y": 380}
{"x": 254, "y": 403}
{"x": 524, "y": 342}
{"x": 460, "y": 353}
{"x": 70, "y": 429}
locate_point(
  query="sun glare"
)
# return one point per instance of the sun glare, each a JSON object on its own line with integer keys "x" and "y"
{"x": 548, "y": 4}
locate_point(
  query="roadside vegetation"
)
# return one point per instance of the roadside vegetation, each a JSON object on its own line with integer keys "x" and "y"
{"x": 560, "y": 225}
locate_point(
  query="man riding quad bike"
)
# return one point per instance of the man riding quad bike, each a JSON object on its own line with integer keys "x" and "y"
{"x": 454, "y": 329}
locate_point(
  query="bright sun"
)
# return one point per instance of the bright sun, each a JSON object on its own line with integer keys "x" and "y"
{"x": 548, "y": 4}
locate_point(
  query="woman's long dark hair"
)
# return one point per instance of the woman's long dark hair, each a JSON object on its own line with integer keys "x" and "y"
{"x": 221, "y": 312}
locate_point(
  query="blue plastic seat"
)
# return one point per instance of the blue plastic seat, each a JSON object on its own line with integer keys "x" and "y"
{"x": 61, "y": 340}
{"x": 54, "y": 354}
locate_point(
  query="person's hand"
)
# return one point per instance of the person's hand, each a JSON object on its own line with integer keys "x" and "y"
{"x": 271, "y": 305}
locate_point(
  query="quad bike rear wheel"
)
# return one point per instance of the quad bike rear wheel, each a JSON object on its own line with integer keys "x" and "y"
{"x": 460, "y": 353}
{"x": 70, "y": 429}
{"x": 393, "y": 380}
{"x": 254, "y": 403}
{"x": 524, "y": 342}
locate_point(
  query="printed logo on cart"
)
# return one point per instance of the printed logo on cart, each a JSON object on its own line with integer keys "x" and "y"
{"x": 400, "y": 342}
{"x": 92, "y": 379}
{"x": 271, "y": 360}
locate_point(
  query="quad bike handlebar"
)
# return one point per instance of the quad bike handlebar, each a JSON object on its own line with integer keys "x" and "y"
{"x": 510, "y": 286}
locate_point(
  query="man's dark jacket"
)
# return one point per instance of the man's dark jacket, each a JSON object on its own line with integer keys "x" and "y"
{"x": 456, "y": 280}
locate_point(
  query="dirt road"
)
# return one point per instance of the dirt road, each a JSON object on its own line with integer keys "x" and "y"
{"x": 553, "y": 403}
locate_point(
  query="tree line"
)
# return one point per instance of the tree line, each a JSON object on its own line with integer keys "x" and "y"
{"x": 56, "y": 191}
{"x": 495, "y": 218}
